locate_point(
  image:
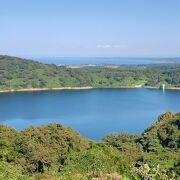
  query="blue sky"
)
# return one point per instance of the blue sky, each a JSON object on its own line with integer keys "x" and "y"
{"x": 124, "y": 28}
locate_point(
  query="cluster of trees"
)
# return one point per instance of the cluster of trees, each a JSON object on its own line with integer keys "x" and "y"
{"x": 17, "y": 73}
{"x": 159, "y": 145}
{"x": 56, "y": 152}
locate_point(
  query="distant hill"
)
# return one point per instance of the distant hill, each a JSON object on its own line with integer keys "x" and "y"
{"x": 56, "y": 152}
{"x": 18, "y": 73}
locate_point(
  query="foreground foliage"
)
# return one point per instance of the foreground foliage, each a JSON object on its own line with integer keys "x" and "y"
{"x": 55, "y": 152}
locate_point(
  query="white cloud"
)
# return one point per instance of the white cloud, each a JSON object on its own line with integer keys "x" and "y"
{"x": 111, "y": 46}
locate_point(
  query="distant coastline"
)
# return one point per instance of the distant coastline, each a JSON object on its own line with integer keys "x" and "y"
{"x": 82, "y": 88}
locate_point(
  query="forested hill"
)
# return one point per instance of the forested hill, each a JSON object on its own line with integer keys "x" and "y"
{"x": 58, "y": 153}
{"x": 17, "y": 73}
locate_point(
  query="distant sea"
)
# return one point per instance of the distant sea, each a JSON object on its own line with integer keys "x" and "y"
{"x": 107, "y": 61}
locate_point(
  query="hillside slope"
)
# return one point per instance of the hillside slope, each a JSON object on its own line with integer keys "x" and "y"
{"x": 56, "y": 152}
{"x": 17, "y": 73}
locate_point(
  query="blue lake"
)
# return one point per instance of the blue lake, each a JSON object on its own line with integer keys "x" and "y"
{"x": 94, "y": 113}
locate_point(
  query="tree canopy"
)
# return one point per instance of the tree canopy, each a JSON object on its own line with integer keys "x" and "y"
{"x": 17, "y": 73}
{"x": 55, "y": 152}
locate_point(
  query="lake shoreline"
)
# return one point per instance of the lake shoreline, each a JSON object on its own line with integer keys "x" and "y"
{"x": 45, "y": 89}
{"x": 82, "y": 88}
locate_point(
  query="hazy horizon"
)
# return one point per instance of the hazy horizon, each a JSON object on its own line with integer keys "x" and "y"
{"x": 116, "y": 57}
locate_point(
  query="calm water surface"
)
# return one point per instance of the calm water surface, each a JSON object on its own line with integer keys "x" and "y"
{"x": 94, "y": 113}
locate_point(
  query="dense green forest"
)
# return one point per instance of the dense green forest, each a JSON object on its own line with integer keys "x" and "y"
{"x": 54, "y": 152}
{"x": 17, "y": 73}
